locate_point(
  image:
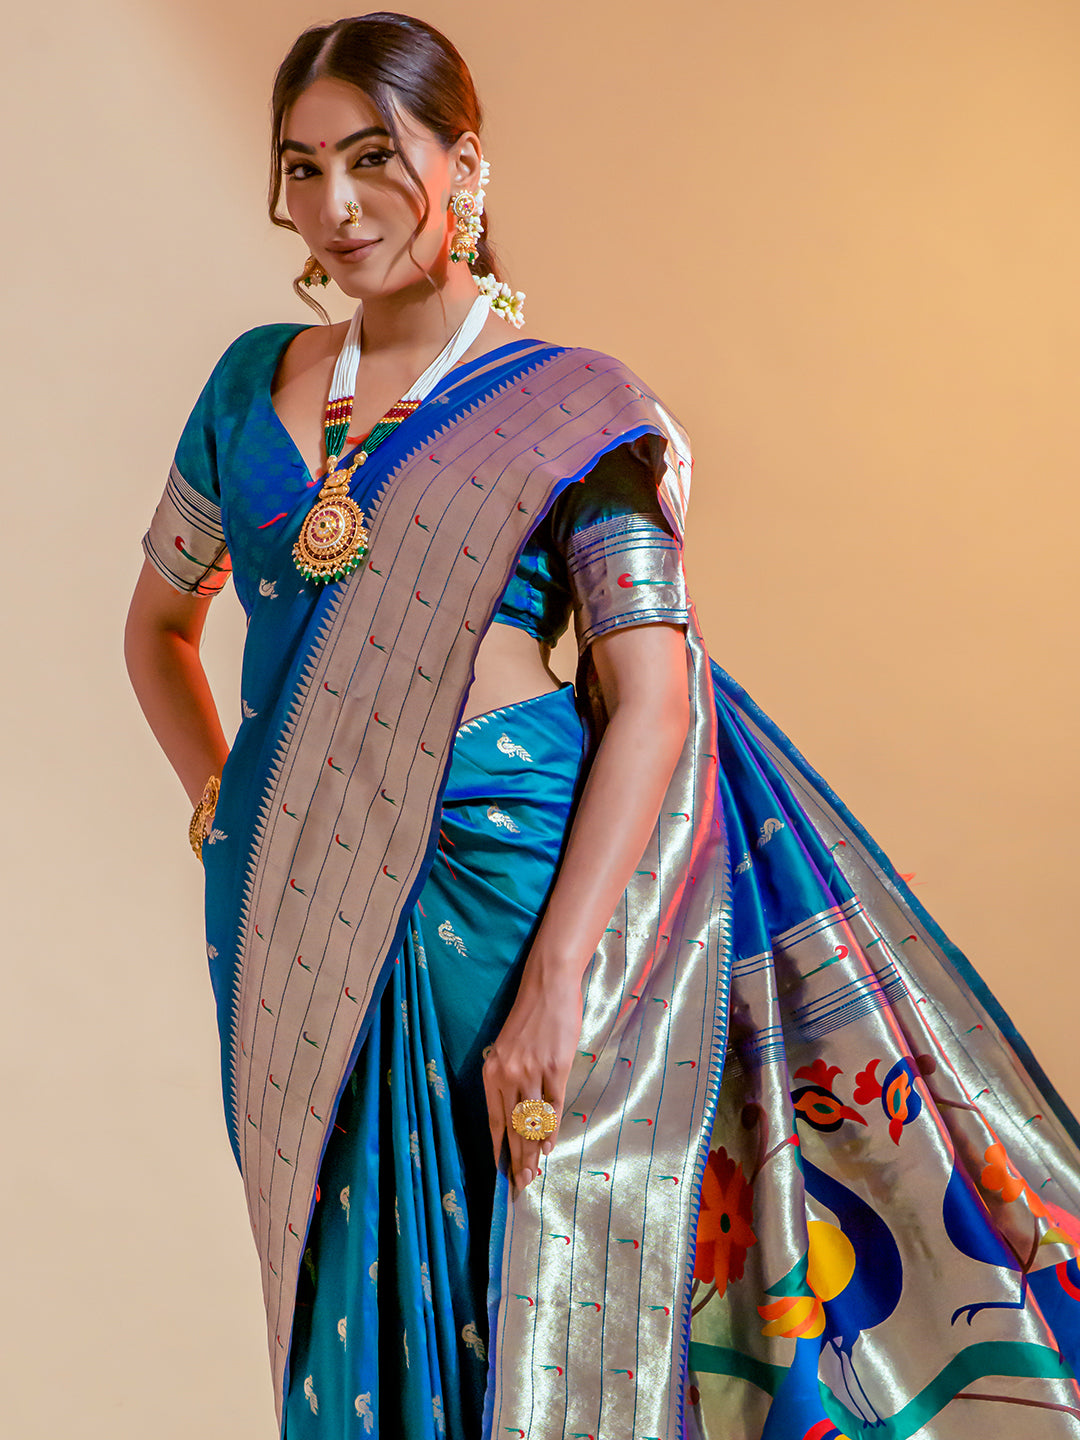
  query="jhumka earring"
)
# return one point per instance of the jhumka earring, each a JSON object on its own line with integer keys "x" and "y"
{"x": 313, "y": 273}
{"x": 467, "y": 207}
{"x": 466, "y": 237}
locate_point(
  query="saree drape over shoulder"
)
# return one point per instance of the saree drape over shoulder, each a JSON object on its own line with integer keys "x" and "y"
{"x": 808, "y": 1179}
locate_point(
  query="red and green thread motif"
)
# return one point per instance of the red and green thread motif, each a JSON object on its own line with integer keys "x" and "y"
{"x": 336, "y": 424}
{"x": 389, "y": 423}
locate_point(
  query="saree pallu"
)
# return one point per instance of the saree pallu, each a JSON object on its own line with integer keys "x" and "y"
{"x": 407, "y": 1180}
{"x": 887, "y": 1240}
{"x": 854, "y": 1211}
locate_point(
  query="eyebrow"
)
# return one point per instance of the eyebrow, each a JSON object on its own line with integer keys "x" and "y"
{"x": 341, "y": 144}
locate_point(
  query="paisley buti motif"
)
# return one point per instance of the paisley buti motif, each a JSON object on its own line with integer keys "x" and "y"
{"x": 507, "y": 747}
{"x": 453, "y": 1209}
{"x": 473, "y": 1341}
{"x": 437, "y": 1413}
{"x": 342, "y": 1326}
{"x": 268, "y": 589}
{"x": 344, "y": 1198}
{"x": 502, "y": 820}
{"x": 421, "y": 953}
{"x": 446, "y": 933}
{"x": 435, "y": 1080}
{"x": 312, "y": 1398}
{"x": 425, "y": 1280}
{"x": 246, "y": 710}
{"x": 744, "y": 864}
{"x": 362, "y": 1406}
{"x": 768, "y": 829}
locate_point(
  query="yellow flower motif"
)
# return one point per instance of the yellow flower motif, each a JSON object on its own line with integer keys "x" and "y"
{"x": 794, "y": 1317}
{"x": 830, "y": 1266}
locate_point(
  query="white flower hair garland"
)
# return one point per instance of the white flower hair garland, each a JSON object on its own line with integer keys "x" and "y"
{"x": 510, "y": 304}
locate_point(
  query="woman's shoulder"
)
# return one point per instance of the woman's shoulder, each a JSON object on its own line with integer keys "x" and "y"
{"x": 260, "y": 346}
{"x": 246, "y": 367}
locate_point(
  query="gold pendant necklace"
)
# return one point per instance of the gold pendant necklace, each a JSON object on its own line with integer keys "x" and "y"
{"x": 334, "y": 539}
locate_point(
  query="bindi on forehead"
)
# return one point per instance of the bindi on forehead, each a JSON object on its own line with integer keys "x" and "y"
{"x": 322, "y": 144}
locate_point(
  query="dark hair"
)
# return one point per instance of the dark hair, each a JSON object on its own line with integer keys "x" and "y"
{"x": 400, "y": 64}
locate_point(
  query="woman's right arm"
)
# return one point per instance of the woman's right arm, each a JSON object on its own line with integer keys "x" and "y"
{"x": 161, "y": 647}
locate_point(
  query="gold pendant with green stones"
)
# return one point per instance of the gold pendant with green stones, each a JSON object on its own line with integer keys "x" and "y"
{"x": 333, "y": 539}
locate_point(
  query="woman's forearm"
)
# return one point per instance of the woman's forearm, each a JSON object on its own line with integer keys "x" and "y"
{"x": 615, "y": 819}
{"x": 175, "y": 697}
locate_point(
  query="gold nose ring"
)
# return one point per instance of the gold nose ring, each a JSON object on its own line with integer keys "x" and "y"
{"x": 352, "y": 209}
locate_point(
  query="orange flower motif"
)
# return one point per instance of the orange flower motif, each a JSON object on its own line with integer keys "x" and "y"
{"x": 724, "y": 1230}
{"x": 998, "y": 1175}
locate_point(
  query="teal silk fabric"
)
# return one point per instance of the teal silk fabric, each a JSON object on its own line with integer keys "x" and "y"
{"x": 881, "y": 1216}
{"x": 407, "y": 1180}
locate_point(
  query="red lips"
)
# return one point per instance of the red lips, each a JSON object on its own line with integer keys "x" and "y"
{"x": 350, "y": 247}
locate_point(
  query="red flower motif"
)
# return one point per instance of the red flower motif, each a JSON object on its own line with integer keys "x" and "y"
{"x": 819, "y": 1073}
{"x": 724, "y": 1230}
{"x": 867, "y": 1085}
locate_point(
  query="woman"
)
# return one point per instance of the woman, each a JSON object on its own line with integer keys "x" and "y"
{"x": 441, "y": 887}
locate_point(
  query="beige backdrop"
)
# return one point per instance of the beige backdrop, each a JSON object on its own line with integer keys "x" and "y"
{"x": 839, "y": 238}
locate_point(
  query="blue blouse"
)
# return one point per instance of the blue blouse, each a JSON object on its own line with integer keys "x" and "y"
{"x": 237, "y": 471}
{"x": 540, "y": 596}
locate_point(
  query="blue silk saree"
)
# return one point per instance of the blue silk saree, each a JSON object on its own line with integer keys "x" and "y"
{"x": 808, "y": 1182}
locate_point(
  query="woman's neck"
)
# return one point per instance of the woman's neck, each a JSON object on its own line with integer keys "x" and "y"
{"x": 417, "y": 320}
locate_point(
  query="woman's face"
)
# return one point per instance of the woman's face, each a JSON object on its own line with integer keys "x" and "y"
{"x": 336, "y": 149}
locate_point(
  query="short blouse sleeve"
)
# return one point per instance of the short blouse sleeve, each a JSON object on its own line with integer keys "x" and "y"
{"x": 624, "y": 563}
{"x": 185, "y": 542}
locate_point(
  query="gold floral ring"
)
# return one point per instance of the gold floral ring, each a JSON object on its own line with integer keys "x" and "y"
{"x": 534, "y": 1119}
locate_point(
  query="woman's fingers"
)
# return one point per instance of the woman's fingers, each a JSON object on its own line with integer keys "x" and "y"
{"x": 496, "y": 1116}
{"x": 527, "y": 1154}
{"x": 531, "y": 1060}
{"x": 524, "y": 1154}
{"x": 504, "y": 1087}
{"x": 502, "y": 1097}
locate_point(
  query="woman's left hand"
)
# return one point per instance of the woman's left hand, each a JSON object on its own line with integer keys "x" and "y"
{"x": 531, "y": 1060}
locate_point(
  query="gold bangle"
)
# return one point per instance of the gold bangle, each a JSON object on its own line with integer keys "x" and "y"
{"x": 203, "y": 816}
{"x": 534, "y": 1119}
